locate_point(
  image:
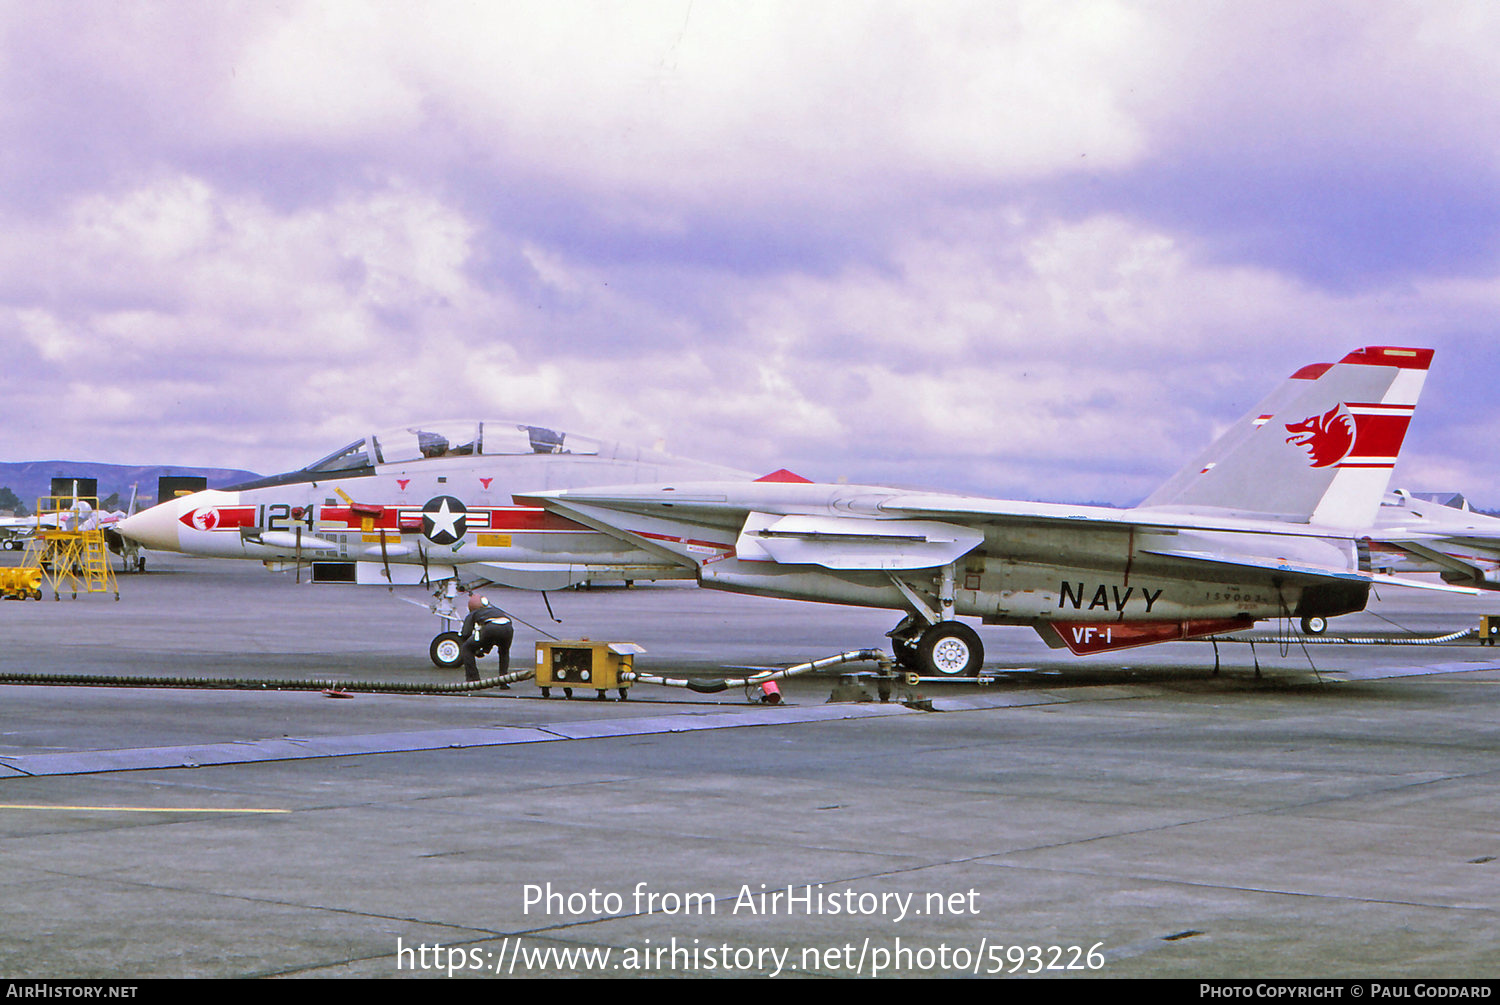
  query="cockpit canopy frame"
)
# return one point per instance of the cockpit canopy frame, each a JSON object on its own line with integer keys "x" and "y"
{"x": 416, "y": 443}
{"x": 462, "y": 438}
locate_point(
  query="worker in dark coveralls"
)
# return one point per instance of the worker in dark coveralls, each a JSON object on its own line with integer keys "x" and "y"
{"x": 485, "y": 628}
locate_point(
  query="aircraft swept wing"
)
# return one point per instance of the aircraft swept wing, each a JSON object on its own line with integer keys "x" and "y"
{"x": 1266, "y": 523}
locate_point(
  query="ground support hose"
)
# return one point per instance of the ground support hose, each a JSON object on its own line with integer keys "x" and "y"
{"x": 1351, "y": 640}
{"x": 879, "y": 656}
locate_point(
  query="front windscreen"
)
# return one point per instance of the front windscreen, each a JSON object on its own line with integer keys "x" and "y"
{"x": 344, "y": 459}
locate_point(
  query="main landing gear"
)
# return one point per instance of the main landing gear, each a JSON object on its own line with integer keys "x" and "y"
{"x": 946, "y": 649}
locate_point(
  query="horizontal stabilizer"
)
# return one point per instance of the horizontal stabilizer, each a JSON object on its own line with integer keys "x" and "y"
{"x": 1307, "y": 572}
{"x": 1299, "y": 570}
{"x": 1412, "y": 584}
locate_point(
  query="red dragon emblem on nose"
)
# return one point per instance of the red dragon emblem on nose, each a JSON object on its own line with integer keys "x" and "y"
{"x": 1328, "y": 437}
{"x": 205, "y": 519}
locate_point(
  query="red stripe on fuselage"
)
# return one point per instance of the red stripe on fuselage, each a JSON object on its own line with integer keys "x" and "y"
{"x": 223, "y": 518}
{"x": 387, "y": 520}
{"x": 507, "y": 519}
{"x": 527, "y": 518}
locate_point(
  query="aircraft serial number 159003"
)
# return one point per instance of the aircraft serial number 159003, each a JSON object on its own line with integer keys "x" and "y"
{"x": 1265, "y": 523}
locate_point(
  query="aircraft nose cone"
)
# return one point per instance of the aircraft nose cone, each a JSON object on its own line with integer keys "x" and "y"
{"x": 155, "y": 528}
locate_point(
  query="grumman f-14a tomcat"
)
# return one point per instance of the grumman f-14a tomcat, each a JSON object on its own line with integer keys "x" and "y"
{"x": 1266, "y": 523}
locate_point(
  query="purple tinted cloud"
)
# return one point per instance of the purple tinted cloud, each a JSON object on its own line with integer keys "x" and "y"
{"x": 1036, "y": 249}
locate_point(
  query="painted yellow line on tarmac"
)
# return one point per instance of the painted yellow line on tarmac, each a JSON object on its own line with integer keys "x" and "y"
{"x": 137, "y": 809}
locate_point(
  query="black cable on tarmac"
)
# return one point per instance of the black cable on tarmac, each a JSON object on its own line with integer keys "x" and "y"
{"x": 263, "y": 683}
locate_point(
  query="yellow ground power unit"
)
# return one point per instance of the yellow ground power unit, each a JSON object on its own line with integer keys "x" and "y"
{"x": 21, "y": 583}
{"x": 1489, "y": 629}
{"x": 581, "y": 663}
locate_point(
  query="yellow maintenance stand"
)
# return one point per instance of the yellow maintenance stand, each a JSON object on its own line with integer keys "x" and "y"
{"x": 68, "y": 546}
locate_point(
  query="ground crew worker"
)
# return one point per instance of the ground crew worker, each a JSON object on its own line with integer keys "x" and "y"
{"x": 486, "y": 627}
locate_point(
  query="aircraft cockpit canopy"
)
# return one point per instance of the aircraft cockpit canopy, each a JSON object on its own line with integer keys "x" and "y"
{"x": 429, "y": 440}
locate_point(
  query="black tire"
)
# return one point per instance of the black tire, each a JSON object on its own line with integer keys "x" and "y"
{"x": 950, "y": 649}
{"x": 447, "y": 651}
{"x": 1314, "y": 625}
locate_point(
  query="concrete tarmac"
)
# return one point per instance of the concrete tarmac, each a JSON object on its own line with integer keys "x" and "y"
{"x": 1128, "y": 815}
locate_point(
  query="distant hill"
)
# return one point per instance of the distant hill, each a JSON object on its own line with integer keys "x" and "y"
{"x": 30, "y": 479}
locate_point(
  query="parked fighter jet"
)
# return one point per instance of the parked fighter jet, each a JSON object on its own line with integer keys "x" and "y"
{"x": 15, "y": 530}
{"x": 424, "y": 503}
{"x": 1264, "y": 524}
{"x": 75, "y": 514}
{"x": 1419, "y": 533}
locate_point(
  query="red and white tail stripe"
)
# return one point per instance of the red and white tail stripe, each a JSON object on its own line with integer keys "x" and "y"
{"x": 1379, "y": 430}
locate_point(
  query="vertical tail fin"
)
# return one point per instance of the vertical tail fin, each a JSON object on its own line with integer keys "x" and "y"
{"x": 1319, "y": 449}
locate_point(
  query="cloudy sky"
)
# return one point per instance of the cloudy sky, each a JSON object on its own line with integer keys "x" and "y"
{"x": 1029, "y": 249}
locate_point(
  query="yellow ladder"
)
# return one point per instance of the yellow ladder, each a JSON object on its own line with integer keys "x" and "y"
{"x": 97, "y": 576}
